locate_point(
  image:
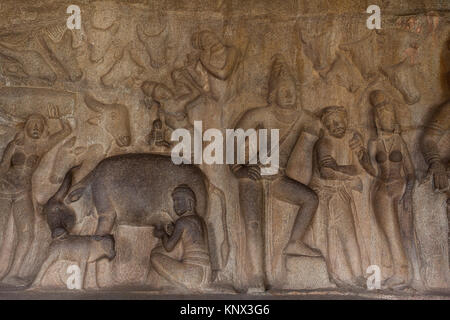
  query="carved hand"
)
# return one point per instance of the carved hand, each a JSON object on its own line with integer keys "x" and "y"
{"x": 19, "y": 138}
{"x": 356, "y": 184}
{"x": 329, "y": 162}
{"x": 192, "y": 58}
{"x": 53, "y": 112}
{"x": 356, "y": 144}
{"x": 169, "y": 228}
{"x": 205, "y": 57}
{"x": 158, "y": 233}
{"x": 72, "y": 122}
{"x": 254, "y": 172}
{"x": 148, "y": 101}
{"x": 406, "y": 201}
{"x": 440, "y": 179}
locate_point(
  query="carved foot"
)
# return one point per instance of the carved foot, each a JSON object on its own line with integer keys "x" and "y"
{"x": 16, "y": 282}
{"x": 256, "y": 285}
{"x": 396, "y": 282}
{"x": 297, "y": 248}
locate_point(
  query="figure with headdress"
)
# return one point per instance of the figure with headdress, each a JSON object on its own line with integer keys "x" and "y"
{"x": 283, "y": 112}
{"x": 335, "y": 178}
{"x": 193, "y": 270}
{"x": 388, "y": 160}
{"x": 20, "y": 160}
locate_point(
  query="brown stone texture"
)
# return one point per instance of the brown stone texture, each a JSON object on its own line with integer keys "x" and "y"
{"x": 87, "y": 118}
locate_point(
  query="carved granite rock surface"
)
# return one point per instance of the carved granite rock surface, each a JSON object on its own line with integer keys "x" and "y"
{"x": 92, "y": 198}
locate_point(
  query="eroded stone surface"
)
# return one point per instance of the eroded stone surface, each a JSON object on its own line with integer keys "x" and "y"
{"x": 90, "y": 196}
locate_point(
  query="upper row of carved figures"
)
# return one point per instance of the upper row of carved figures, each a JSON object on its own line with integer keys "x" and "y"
{"x": 123, "y": 52}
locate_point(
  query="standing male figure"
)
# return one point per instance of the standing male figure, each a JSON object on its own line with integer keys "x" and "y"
{"x": 298, "y": 130}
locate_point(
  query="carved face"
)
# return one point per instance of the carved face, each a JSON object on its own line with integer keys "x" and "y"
{"x": 35, "y": 128}
{"x": 286, "y": 94}
{"x": 385, "y": 118}
{"x": 181, "y": 204}
{"x": 336, "y": 124}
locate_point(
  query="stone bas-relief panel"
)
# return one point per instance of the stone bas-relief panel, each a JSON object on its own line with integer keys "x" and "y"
{"x": 92, "y": 197}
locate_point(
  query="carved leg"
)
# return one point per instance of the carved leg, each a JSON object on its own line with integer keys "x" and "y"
{"x": 83, "y": 268}
{"x": 23, "y": 212}
{"x": 177, "y": 272}
{"x": 385, "y": 204}
{"x": 448, "y": 222}
{"x": 291, "y": 191}
{"x": 105, "y": 210}
{"x": 345, "y": 256}
{"x": 43, "y": 270}
{"x": 5, "y": 214}
{"x": 252, "y": 207}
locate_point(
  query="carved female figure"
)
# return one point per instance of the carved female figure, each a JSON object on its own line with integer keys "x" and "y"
{"x": 20, "y": 159}
{"x": 388, "y": 160}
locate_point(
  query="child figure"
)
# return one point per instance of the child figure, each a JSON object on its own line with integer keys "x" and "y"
{"x": 157, "y": 135}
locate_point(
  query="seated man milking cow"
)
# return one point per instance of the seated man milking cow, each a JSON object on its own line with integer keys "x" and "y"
{"x": 189, "y": 230}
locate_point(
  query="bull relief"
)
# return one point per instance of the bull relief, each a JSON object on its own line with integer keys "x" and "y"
{"x": 225, "y": 148}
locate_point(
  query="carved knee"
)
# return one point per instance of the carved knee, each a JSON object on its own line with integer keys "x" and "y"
{"x": 254, "y": 228}
{"x": 310, "y": 199}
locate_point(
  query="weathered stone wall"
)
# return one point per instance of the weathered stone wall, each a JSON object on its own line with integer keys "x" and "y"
{"x": 360, "y": 184}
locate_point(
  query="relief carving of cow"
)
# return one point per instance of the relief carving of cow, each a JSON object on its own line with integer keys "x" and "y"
{"x": 132, "y": 190}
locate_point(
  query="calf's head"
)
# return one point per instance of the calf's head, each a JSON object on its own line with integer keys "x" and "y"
{"x": 107, "y": 246}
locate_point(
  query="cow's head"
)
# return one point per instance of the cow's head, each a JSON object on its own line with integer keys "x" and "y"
{"x": 342, "y": 74}
{"x": 317, "y": 47}
{"x": 25, "y": 64}
{"x": 68, "y": 58}
{"x": 113, "y": 118}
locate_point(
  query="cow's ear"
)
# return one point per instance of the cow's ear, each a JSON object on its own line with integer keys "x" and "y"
{"x": 76, "y": 195}
{"x": 95, "y": 121}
